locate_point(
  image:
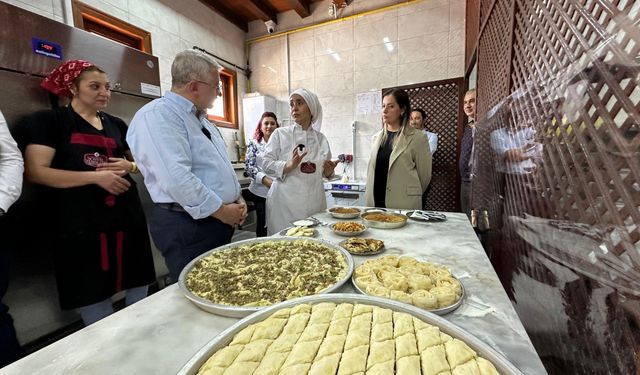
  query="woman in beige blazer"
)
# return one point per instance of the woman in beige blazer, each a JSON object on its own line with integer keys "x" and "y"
{"x": 399, "y": 168}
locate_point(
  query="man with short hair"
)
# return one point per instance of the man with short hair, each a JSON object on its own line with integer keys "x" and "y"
{"x": 466, "y": 151}
{"x": 185, "y": 165}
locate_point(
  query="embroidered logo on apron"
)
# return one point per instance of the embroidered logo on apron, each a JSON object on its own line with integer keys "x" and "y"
{"x": 95, "y": 159}
{"x": 308, "y": 167}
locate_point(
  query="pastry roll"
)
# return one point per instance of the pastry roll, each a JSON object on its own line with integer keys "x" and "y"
{"x": 385, "y": 269}
{"x": 424, "y": 299}
{"x": 377, "y": 290}
{"x": 395, "y": 281}
{"x": 417, "y": 281}
{"x": 450, "y": 283}
{"x": 400, "y": 296}
{"x": 405, "y": 261}
{"x": 411, "y": 269}
{"x": 445, "y": 296}
{"x": 363, "y": 281}
{"x": 440, "y": 273}
{"x": 363, "y": 270}
{"x": 391, "y": 260}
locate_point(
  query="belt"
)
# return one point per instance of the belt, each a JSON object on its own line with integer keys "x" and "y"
{"x": 171, "y": 207}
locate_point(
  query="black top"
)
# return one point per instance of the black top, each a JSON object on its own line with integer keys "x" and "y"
{"x": 101, "y": 245}
{"x": 382, "y": 170}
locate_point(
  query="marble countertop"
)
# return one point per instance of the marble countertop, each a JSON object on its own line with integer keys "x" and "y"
{"x": 159, "y": 334}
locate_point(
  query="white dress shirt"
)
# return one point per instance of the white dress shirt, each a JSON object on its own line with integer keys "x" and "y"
{"x": 11, "y": 167}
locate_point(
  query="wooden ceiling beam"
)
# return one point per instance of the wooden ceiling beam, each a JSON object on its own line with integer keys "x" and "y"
{"x": 222, "y": 9}
{"x": 261, "y": 10}
{"x": 300, "y": 6}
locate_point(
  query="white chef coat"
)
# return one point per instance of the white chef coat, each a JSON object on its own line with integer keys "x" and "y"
{"x": 296, "y": 195}
{"x": 11, "y": 167}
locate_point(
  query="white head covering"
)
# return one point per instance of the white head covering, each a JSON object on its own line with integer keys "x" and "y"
{"x": 314, "y": 106}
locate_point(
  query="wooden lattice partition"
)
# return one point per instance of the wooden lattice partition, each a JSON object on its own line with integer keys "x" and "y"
{"x": 441, "y": 101}
{"x": 566, "y": 232}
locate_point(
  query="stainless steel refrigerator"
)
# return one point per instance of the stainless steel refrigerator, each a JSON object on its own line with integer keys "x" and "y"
{"x": 31, "y": 46}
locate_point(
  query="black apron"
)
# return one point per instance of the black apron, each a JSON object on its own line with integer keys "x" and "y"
{"x": 102, "y": 245}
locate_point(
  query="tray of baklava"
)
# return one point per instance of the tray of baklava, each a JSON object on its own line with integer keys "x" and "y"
{"x": 346, "y": 334}
{"x": 243, "y": 277}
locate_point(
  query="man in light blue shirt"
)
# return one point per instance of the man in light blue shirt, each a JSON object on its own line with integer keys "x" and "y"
{"x": 184, "y": 161}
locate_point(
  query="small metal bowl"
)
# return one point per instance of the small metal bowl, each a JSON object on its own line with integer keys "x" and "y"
{"x": 344, "y": 215}
{"x": 384, "y": 224}
{"x": 345, "y": 233}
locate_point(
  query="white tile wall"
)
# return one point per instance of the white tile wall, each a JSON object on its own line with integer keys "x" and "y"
{"x": 176, "y": 26}
{"x": 420, "y": 42}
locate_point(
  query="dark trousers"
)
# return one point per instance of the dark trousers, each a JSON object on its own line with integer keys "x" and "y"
{"x": 181, "y": 239}
{"x": 9, "y": 346}
{"x": 424, "y": 197}
{"x": 261, "y": 211}
{"x": 465, "y": 197}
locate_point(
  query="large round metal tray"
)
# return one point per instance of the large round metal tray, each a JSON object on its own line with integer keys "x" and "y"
{"x": 219, "y": 341}
{"x": 242, "y": 311}
{"x": 339, "y": 215}
{"x": 440, "y": 311}
{"x": 382, "y": 224}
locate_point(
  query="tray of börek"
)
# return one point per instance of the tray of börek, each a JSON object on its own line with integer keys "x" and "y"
{"x": 242, "y": 277}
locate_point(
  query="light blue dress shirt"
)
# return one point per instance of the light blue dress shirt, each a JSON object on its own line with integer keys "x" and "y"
{"x": 179, "y": 163}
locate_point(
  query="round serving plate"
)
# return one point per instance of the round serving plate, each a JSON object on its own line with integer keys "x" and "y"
{"x": 242, "y": 311}
{"x": 221, "y": 340}
{"x": 343, "y": 242}
{"x": 383, "y": 224}
{"x": 426, "y": 216}
{"x": 339, "y": 215}
{"x": 284, "y": 233}
{"x": 347, "y": 234}
{"x": 439, "y": 311}
{"x": 308, "y": 222}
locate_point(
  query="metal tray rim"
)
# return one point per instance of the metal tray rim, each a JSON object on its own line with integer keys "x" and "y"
{"x": 501, "y": 363}
{"x": 242, "y": 311}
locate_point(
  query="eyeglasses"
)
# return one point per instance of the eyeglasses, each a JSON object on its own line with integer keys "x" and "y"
{"x": 219, "y": 88}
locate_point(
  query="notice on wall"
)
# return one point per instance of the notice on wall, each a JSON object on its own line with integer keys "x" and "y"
{"x": 368, "y": 103}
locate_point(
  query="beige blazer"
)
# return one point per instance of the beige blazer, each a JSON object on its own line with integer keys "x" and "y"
{"x": 409, "y": 170}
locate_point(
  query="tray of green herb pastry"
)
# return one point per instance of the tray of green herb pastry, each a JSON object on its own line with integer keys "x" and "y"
{"x": 346, "y": 334}
{"x": 240, "y": 278}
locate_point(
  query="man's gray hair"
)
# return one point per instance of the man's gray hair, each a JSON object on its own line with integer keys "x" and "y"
{"x": 191, "y": 65}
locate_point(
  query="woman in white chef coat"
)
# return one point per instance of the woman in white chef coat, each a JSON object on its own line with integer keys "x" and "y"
{"x": 298, "y": 156}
